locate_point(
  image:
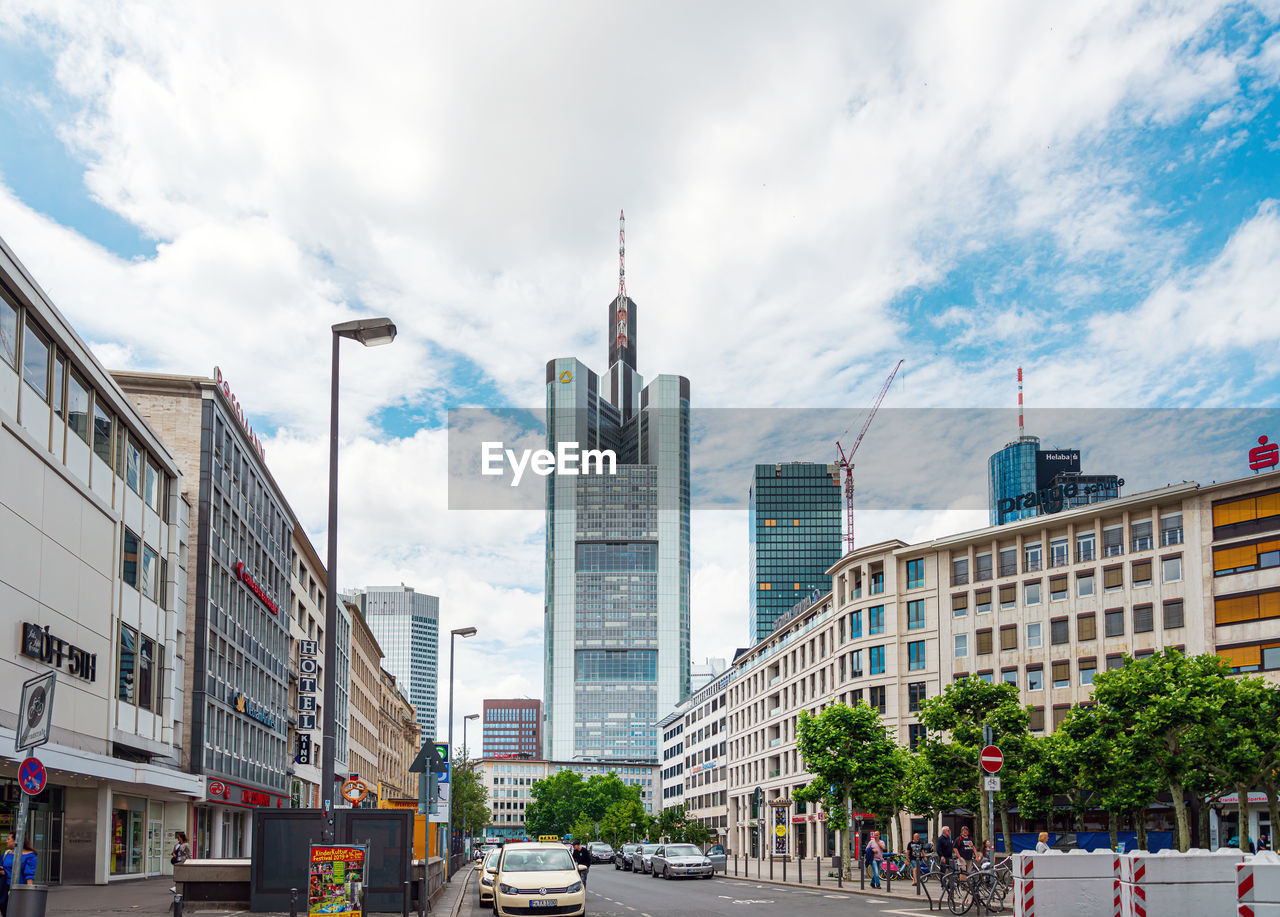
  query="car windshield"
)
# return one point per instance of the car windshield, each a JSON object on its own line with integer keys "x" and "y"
{"x": 605, "y": 848}
{"x": 682, "y": 850}
{"x": 491, "y": 859}
{"x": 537, "y": 861}
{"x": 630, "y": 848}
{"x": 649, "y": 848}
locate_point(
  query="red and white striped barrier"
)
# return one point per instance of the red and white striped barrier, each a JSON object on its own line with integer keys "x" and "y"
{"x": 1075, "y": 884}
{"x": 1195, "y": 882}
{"x": 1258, "y": 886}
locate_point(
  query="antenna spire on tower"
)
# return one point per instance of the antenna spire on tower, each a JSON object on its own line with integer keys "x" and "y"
{"x": 1020, "y": 429}
{"x": 621, "y": 329}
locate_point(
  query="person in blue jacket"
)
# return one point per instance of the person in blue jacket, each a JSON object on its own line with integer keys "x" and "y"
{"x": 26, "y": 865}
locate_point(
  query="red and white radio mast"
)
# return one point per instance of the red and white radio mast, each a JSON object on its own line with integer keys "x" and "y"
{"x": 621, "y": 340}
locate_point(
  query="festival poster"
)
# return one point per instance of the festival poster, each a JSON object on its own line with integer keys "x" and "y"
{"x": 781, "y": 822}
{"x": 337, "y": 880}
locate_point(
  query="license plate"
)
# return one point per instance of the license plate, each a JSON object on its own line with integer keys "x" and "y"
{"x": 543, "y": 902}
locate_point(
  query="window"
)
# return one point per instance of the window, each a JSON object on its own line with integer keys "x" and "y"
{"x": 915, "y": 735}
{"x": 1115, "y": 661}
{"x": 959, "y": 571}
{"x": 1060, "y": 712}
{"x": 1062, "y": 674}
{"x": 1086, "y": 627}
{"x": 150, "y": 566}
{"x": 125, "y": 689}
{"x": 962, "y": 646}
{"x": 129, "y": 560}
{"x": 916, "y": 695}
{"x": 1009, "y": 677}
{"x": 855, "y": 664}
{"x": 855, "y": 624}
{"x": 960, "y": 605}
{"x": 1008, "y": 561}
{"x": 1035, "y": 678}
{"x": 877, "y": 583}
{"x": 1031, "y": 593}
{"x": 1088, "y": 668}
{"x": 986, "y": 676}
{"x": 1032, "y": 558}
{"x": 915, "y": 614}
{"x": 1113, "y": 541}
{"x": 1084, "y": 584}
{"x": 1086, "y": 547}
{"x": 875, "y": 619}
{"x": 1171, "y": 569}
{"x": 146, "y": 657}
{"x": 1173, "y": 616}
{"x": 1143, "y": 619}
{"x": 151, "y": 488}
{"x": 1008, "y": 597}
{"x": 8, "y": 333}
{"x": 1264, "y": 554}
{"x": 1036, "y": 721}
{"x": 1115, "y": 622}
{"x": 102, "y": 427}
{"x": 1058, "y": 588}
{"x": 1141, "y": 535}
{"x": 1142, "y": 573}
{"x": 983, "y": 642}
{"x": 982, "y": 601}
{"x": 1234, "y": 609}
{"x": 915, "y": 656}
{"x": 1059, "y": 552}
{"x": 132, "y": 466}
{"x": 982, "y": 567}
{"x": 915, "y": 573}
{"x": 1058, "y": 631}
{"x": 1113, "y": 578}
{"x": 876, "y": 658}
{"x": 875, "y": 697}
{"x": 35, "y": 360}
{"x": 1033, "y": 636}
{"x": 1009, "y": 637}
{"x": 1170, "y": 529}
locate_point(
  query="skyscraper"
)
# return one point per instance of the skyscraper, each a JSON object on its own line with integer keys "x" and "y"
{"x": 617, "y": 562}
{"x": 512, "y": 728}
{"x": 406, "y": 625}
{"x": 793, "y": 526}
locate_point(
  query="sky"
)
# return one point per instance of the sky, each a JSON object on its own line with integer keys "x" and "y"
{"x": 1086, "y": 190}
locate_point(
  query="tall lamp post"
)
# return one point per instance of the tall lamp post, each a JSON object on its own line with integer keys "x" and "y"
{"x": 370, "y": 332}
{"x": 465, "y": 757}
{"x": 448, "y": 830}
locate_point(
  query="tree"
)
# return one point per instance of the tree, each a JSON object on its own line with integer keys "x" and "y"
{"x": 671, "y": 824}
{"x": 853, "y": 760}
{"x": 583, "y": 829}
{"x": 615, "y": 827}
{"x": 1164, "y": 705}
{"x": 697, "y": 832}
{"x": 468, "y": 798}
{"x": 556, "y": 804}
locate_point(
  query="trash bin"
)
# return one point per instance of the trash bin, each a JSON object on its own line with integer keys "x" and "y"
{"x": 28, "y": 900}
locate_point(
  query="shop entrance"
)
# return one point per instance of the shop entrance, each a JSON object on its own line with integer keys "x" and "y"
{"x": 44, "y": 827}
{"x": 128, "y": 835}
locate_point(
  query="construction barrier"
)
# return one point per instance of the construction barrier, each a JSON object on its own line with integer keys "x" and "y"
{"x": 1169, "y": 882}
{"x": 1258, "y": 885}
{"x": 1075, "y": 884}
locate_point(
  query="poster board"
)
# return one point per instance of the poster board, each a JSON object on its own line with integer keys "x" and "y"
{"x": 335, "y": 887}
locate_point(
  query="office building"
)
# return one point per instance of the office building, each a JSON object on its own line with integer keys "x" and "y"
{"x": 364, "y": 747}
{"x": 94, "y": 526}
{"x": 406, "y": 625}
{"x": 703, "y": 673}
{"x": 510, "y": 785}
{"x": 308, "y": 584}
{"x": 512, "y": 728}
{"x": 694, "y": 757}
{"x": 1025, "y": 481}
{"x": 400, "y": 739}
{"x": 617, "y": 558}
{"x": 793, "y": 527}
{"x": 237, "y": 682}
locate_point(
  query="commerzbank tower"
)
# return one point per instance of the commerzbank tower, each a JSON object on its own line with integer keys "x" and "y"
{"x": 617, "y": 566}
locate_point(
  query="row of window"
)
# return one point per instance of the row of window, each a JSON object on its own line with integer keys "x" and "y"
{"x": 1173, "y": 617}
{"x": 1059, "y": 586}
{"x": 140, "y": 678}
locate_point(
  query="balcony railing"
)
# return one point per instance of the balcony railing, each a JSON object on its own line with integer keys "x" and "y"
{"x": 774, "y": 743}
{"x": 775, "y": 773}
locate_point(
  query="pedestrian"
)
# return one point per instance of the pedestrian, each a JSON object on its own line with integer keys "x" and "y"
{"x": 988, "y": 856}
{"x": 1264, "y": 841}
{"x": 915, "y": 856}
{"x": 964, "y": 847}
{"x": 875, "y": 855}
{"x": 582, "y": 856}
{"x": 946, "y": 848}
{"x": 181, "y": 849}
{"x": 26, "y": 869}
{"x": 1042, "y": 842}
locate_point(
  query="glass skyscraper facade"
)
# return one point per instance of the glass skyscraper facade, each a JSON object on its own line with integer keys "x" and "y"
{"x": 1011, "y": 472}
{"x": 617, "y": 563}
{"x": 406, "y": 625}
{"x": 1024, "y": 481}
{"x": 793, "y": 525}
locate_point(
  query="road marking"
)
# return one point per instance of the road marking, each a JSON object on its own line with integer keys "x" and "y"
{"x": 837, "y": 897}
{"x": 726, "y": 897}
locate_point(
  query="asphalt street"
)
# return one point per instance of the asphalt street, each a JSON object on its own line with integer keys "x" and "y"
{"x": 622, "y": 894}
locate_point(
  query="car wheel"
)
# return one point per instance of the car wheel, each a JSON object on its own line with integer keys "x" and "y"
{"x": 667, "y": 875}
{"x": 653, "y": 871}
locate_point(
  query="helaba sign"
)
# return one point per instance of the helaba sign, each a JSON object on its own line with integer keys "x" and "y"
{"x": 568, "y": 459}
{"x": 1054, "y": 499}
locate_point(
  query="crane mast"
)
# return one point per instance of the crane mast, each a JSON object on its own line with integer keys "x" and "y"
{"x": 844, "y": 460}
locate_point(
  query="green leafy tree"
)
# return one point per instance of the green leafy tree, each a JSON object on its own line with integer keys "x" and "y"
{"x": 615, "y": 827}
{"x": 671, "y": 824}
{"x": 697, "y": 832}
{"x": 601, "y": 791}
{"x": 854, "y": 763}
{"x": 583, "y": 829}
{"x": 556, "y": 804}
{"x": 469, "y": 798}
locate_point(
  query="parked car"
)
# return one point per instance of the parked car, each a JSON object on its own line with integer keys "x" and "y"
{"x": 538, "y": 878}
{"x": 622, "y": 856}
{"x": 641, "y": 859}
{"x": 488, "y": 871}
{"x": 600, "y": 852}
{"x": 718, "y": 857}
{"x": 675, "y": 860}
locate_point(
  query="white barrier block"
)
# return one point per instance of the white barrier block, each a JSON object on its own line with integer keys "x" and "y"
{"x": 1258, "y": 879}
{"x": 1075, "y": 864}
{"x": 1258, "y": 910}
{"x": 1181, "y": 898}
{"x": 1063, "y": 897}
{"x": 1169, "y": 867}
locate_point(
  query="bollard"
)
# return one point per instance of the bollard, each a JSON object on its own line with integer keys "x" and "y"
{"x": 784, "y": 869}
{"x": 770, "y": 868}
{"x": 819, "y": 870}
{"x": 424, "y": 902}
{"x": 293, "y": 902}
{"x": 800, "y": 870}
{"x": 177, "y": 903}
{"x": 404, "y": 904}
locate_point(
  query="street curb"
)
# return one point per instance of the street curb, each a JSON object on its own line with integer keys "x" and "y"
{"x": 457, "y": 905}
{"x": 873, "y": 893}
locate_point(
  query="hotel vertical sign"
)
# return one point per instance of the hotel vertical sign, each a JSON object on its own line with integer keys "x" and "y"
{"x": 308, "y": 671}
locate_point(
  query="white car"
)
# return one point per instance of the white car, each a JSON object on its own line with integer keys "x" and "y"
{"x": 538, "y": 879}
{"x": 488, "y": 872}
{"x": 680, "y": 860}
{"x": 642, "y": 858}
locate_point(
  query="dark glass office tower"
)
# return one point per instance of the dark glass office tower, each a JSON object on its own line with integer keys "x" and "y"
{"x": 794, "y": 530}
{"x": 617, "y": 562}
{"x": 1024, "y": 481}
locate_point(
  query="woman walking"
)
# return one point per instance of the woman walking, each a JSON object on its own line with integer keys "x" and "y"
{"x": 181, "y": 850}
{"x": 26, "y": 869}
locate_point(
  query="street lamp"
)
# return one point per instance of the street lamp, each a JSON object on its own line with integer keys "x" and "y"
{"x": 633, "y": 832}
{"x": 448, "y": 831}
{"x": 465, "y": 757}
{"x": 370, "y": 332}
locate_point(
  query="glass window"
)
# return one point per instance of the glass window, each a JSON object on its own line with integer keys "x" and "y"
{"x": 1009, "y": 677}
{"x": 1143, "y": 619}
{"x": 128, "y": 650}
{"x": 146, "y": 656}
{"x": 1171, "y": 569}
{"x": 1031, "y": 593}
{"x": 915, "y": 614}
{"x": 1008, "y": 597}
{"x": 1009, "y": 637}
{"x": 1008, "y": 561}
{"x": 875, "y": 619}
{"x": 1058, "y": 588}
{"x": 917, "y": 691}
{"x": 35, "y": 360}
{"x": 151, "y": 486}
{"x": 915, "y": 573}
{"x": 59, "y": 387}
{"x": 983, "y": 643}
{"x": 982, "y": 567}
{"x": 1141, "y": 532}
{"x": 1084, "y": 584}
{"x": 1170, "y": 529}
{"x": 959, "y": 571}
{"x": 1087, "y": 671}
{"x": 1059, "y": 552}
{"x": 1035, "y": 678}
{"x": 1142, "y": 573}
{"x": 129, "y": 562}
{"x": 133, "y": 467}
{"x": 1173, "y": 616}
{"x": 150, "y": 566}
{"x": 103, "y": 423}
{"x": 876, "y": 660}
{"x": 1115, "y": 622}
{"x": 1115, "y": 661}
{"x": 8, "y": 333}
{"x": 1033, "y": 635}
{"x": 1113, "y": 541}
{"x": 1058, "y": 631}
{"x": 915, "y": 655}
{"x": 1113, "y": 578}
{"x": 1086, "y": 627}
{"x": 962, "y": 646}
{"x": 1086, "y": 548}
{"x": 960, "y": 605}
{"x": 1062, "y": 674}
{"x": 1032, "y": 558}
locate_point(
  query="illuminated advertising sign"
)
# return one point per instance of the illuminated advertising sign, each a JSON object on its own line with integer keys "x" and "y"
{"x": 256, "y": 589}
{"x": 336, "y": 886}
{"x": 238, "y": 411}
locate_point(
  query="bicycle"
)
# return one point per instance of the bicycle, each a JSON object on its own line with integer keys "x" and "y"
{"x": 894, "y": 867}
{"x": 981, "y": 887}
{"x": 940, "y": 882}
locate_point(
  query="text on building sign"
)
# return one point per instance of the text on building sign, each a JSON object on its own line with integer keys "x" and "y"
{"x": 238, "y": 411}
{"x": 38, "y": 643}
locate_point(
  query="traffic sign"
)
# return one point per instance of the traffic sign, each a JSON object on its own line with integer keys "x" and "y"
{"x": 32, "y": 777}
{"x": 991, "y": 784}
{"x": 991, "y": 759}
{"x": 35, "y": 712}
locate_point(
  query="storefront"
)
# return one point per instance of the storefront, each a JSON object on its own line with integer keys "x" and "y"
{"x": 224, "y": 821}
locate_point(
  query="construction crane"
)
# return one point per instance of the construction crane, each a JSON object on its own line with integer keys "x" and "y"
{"x": 845, "y": 459}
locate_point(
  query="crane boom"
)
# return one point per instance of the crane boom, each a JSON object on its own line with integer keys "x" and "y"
{"x": 845, "y": 459}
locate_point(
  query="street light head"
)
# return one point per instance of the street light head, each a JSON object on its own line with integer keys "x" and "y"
{"x": 472, "y": 716}
{"x": 463, "y": 631}
{"x": 371, "y": 332}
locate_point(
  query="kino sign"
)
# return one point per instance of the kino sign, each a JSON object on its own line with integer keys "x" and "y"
{"x": 308, "y": 671}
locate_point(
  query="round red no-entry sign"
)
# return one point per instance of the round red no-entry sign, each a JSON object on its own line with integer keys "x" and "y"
{"x": 991, "y": 759}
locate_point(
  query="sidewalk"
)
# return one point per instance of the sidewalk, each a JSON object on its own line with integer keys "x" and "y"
{"x": 905, "y": 891}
